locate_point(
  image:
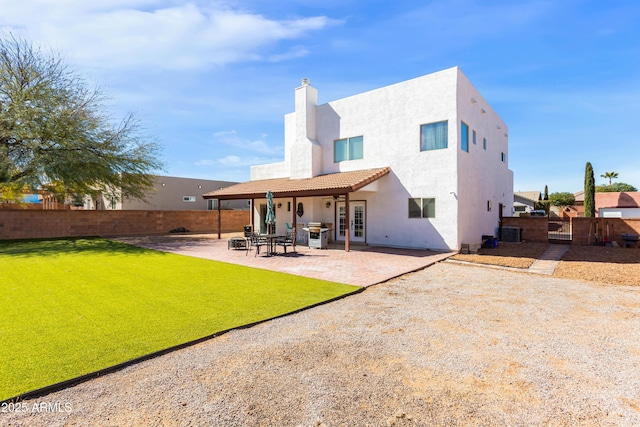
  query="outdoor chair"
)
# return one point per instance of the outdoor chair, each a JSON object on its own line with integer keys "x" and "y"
{"x": 258, "y": 241}
{"x": 239, "y": 243}
{"x": 287, "y": 241}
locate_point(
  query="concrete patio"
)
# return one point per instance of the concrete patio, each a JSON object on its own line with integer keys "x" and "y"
{"x": 361, "y": 266}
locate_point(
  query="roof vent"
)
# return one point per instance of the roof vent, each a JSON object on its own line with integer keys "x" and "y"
{"x": 305, "y": 82}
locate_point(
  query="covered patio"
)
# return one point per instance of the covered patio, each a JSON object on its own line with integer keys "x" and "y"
{"x": 362, "y": 266}
{"x": 338, "y": 186}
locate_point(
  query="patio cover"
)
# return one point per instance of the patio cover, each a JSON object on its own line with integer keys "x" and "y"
{"x": 322, "y": 185}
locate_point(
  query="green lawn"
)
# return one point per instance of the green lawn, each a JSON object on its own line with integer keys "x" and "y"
{"x": 71, "y": 307}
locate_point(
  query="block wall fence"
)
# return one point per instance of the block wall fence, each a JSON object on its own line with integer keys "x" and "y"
{"x": 534, "y": 229}
{"x": 37, "y": 224}
{"x": 616, "y": 226}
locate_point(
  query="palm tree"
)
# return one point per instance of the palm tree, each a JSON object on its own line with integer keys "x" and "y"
{"x": 610, "y": 176}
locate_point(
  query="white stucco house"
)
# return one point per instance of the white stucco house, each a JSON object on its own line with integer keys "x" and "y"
{"x": 525, "y": 201}
{"x": 418, "y": 164}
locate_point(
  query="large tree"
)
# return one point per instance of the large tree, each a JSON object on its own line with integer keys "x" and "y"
{"x": 562, "y": 199}
{"x": 55, "y": 133}
{"x": 589, "y": 192}
{"x": 615, "y": 188}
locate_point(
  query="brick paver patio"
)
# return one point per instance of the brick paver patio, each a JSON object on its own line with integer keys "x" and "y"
{"x": 362, "y": 266}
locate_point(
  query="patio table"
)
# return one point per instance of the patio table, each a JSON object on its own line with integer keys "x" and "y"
{"x": 272, "y": 238}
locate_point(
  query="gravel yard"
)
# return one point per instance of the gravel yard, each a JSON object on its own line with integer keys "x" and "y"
{"x": 609, "y": 265}
{"x": 619, "y": 266}
{"x": 448, "y": 345}
{"x": 517, "y": 255}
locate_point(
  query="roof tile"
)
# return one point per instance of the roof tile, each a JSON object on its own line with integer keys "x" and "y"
{"x": 334, "y": 183}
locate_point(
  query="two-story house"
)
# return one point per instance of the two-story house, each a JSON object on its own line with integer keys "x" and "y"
{"x": 418, "y": 164}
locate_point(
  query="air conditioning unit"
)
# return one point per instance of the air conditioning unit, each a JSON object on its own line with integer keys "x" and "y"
{"x": 511, "y": 234}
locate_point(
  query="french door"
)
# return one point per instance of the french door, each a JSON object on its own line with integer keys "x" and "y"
{"x": 357, "y": 221}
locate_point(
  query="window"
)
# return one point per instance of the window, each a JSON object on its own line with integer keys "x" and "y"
{"x": 464, "y": 137}
{"x": 212, "y": 204}
{"x": 473, "y": 134}
{"x": 422, "y": 208}
{"x": 484, "y": 143}
{"x": 188, "y": 198}
{"x": 434, "y": 136}
{"x": 504, "y": 157}
{"x": 348, "y": 149}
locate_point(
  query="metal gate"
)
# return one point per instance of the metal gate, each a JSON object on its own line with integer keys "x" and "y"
{"x": 560, "y": 229}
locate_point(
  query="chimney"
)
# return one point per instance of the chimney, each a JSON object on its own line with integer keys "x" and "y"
{"x": 306, "y": 154}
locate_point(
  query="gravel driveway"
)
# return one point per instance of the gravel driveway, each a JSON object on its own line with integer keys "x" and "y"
{"x": 449, "y": 345}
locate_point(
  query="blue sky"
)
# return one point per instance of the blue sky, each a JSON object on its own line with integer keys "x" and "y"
{"x": 212, "y": 80}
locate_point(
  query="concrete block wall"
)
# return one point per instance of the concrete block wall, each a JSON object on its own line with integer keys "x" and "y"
{"x": 534, "y": 229}
{"x": 30, "y": 224}
{"x": 616, "y": 227}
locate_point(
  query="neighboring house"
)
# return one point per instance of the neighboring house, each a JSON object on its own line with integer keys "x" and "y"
{"x": 170, "y": 193}
{"x": 567, "y": 212}
{"x": 525, "y": 201}
{"x": 418, "y": 164}
{"x": 579, "y": 198}
{"x": 618, "y": 205}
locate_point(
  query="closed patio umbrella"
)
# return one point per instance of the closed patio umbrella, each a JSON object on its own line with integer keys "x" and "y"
{"x": 270, "y": 219}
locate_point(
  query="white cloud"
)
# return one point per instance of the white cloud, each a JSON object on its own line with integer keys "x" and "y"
{"x": 233, "y": 161}
{"x": 231, "y": 138}
{"x": 156, "y": 34}
{"x": 295, "y": 52}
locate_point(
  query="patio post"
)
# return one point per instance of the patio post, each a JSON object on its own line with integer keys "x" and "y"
{"x": 219, "y": 220}
{"x": 347, "y": 227}
{"x": 294, "y": 223}
{"x": 251, "y": 218}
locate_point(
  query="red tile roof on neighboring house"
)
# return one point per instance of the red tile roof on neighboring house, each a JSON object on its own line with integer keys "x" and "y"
{"x": 618, "y": 200}
{"x": 322, "y": 185}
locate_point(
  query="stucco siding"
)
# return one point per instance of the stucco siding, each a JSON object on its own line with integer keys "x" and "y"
{"x": 389, "y": 119}
{"x": 485, "y": 181}
{"x": 169, "y": 193}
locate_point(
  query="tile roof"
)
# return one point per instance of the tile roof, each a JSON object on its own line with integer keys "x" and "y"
{"x": 321, "y": 185}
{"x": 534, "y": 196}
{"x": 618, "y": 200}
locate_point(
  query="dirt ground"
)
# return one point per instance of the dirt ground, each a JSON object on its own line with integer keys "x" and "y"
{"x": 517, "y": 255}
{"x": 616, "y": 266}
{"x": 451, "y": 345}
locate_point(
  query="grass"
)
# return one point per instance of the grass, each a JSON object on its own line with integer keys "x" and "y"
{"x": 71, "y": 307}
